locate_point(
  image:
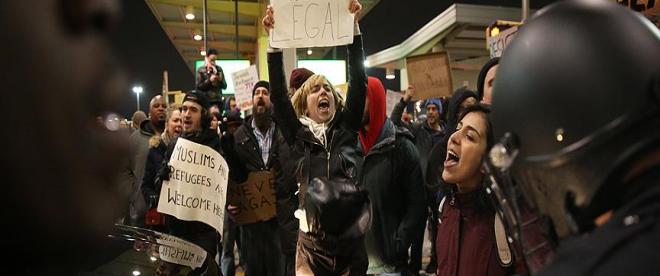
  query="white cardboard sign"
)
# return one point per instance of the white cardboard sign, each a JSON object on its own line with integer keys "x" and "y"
{"x": 178, "y": 251}
{"x": 244, "y": 81}
{"x": 311, "y": 23}
{"x": 197, "y": 189}
{"x": 393, "y": 98}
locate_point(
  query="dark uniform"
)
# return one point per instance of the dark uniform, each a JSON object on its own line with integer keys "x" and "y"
{"x": 576, "y": 104}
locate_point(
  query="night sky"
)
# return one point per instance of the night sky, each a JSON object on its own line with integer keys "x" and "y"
{"x": 143, "y": 48}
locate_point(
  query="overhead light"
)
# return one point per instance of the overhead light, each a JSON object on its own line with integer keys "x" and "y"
{"x": 197, "y": 37}
{"x": 494, "y": 31}
{"x": 389, "y": 74}
{"x": 309, "y": 51}
{"x": 137, "y": 89}
{"x": 203, "y": 53}
{"x": 190, "y": 13}
{"x": 136, "y": 272}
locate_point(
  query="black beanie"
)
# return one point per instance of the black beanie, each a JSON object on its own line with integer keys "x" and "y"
{"x": 264, "y": 84}
{"x": 198, "y": 97}
{"x": 482, "y": 76}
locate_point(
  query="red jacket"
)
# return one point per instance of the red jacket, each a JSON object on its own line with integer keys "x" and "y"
{"x": 465, "y": 244}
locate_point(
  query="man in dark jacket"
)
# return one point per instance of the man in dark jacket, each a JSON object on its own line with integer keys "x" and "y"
{"x": 391, "y": 173}
{"x": 256, "y": 144}
{"x": 139, "y": 139}
{"x": 196, "y": 128}
{"x": 210, "y": 79}
{"x": 428, "y": 133}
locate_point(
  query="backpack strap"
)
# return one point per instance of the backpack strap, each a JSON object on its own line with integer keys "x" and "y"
{"x": 503, "y": 249}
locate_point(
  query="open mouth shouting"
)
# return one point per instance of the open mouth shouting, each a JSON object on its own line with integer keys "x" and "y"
{"x": 452, "y": 159}
{"x": 187, "y": 124}
{"x": 324, "y": 106}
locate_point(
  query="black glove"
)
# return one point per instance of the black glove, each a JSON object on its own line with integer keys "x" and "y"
{"x": 153, "y": 201}
{"x": 163, "y": 173}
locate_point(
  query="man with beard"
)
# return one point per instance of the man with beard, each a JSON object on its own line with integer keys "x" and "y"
{"x": 256, "y": 145}
{"x": 392, "y": 175}
{"x": 139, "y": 142}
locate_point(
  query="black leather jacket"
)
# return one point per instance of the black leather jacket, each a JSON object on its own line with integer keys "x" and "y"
{"x": 339, "y": 158}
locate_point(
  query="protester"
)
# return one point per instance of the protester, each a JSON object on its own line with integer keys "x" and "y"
{"x": 196, "y": 128}
{"x": 210, "y": 79}
{"x": 486, "y": 79}
{"x": 428, "y": 133}
{"x": 230, "y": 233}
{"x": 137, "y": 119}
{"x": 139, "y": 142}
{"x": 588, "y": 164}
{"x": 257, "y": 143}
{"x": 157, "y": 148}
{"x": 323, "y": 133}
{"x": 468, "y": 242}
{"x": 392, "y": 175}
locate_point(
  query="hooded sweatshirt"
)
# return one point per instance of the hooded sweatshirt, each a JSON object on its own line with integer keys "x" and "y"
{"x": 377, "y": 114}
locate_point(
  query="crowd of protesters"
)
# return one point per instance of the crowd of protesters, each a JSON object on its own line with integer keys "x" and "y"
{"x": 355, "y": 188}
{"x": 497, "y": 177}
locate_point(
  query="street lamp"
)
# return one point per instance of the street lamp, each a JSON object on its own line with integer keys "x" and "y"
{"x": 137, "y": 90}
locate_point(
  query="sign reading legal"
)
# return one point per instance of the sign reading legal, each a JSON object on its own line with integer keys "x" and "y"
{"x": 311, "y": 23}
{"x": 197, "y": 188}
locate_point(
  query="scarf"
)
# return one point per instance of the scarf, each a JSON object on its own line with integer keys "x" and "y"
{"x": 318, "y": 129}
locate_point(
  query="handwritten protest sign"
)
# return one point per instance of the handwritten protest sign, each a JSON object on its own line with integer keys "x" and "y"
{"x": 393, "y": 98}
{"x": 255, "y": 197}
{"x": 178, "y": 251}
{"x": 197, "y": 188}
{"x": 496, "y": 44}
{"x": 244, "y": 81}
{"x": 311, "y": 23}
{"x": 430, "y": 74}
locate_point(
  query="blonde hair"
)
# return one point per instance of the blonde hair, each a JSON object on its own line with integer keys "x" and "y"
{"x": 299, "y": 98}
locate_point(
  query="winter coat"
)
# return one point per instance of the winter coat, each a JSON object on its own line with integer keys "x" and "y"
{"x": 213, "y": 92}
{"x": 392, "y": 176}
{"x": 425, "y": 136}
{"x": 248, "y": 154}
{"x": 140, "y": 145}
{"x": 151, "y": 190}
{"x": 465, "y": 243}
{"x": 338, "y": 158}
{"x": 334, "y": 161}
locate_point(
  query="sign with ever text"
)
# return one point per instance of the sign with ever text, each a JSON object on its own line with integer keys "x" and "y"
{"x": 254, "y": 197}
{"x": 311, "y": 23}
{"x": 197, "y": 188}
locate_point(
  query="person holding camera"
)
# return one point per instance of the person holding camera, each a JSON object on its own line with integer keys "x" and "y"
{"x": 210, "y": 79}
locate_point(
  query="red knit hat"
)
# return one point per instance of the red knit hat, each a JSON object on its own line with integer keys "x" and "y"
{"x": 299, "y": 76}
